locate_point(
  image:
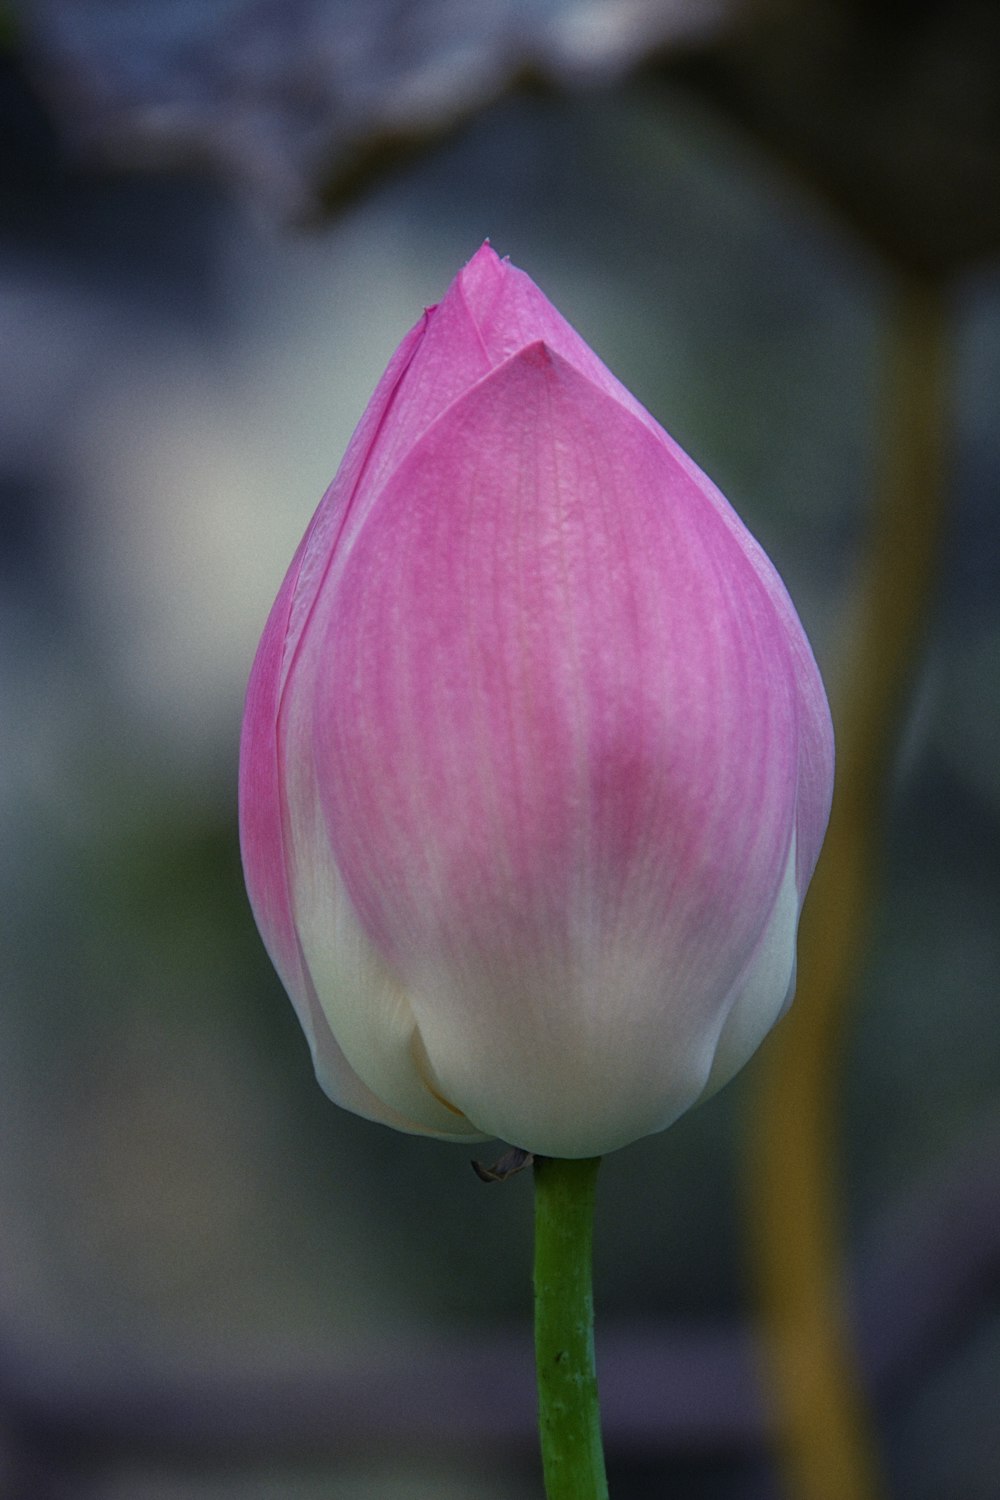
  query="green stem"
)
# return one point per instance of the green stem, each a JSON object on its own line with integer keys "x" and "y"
{"x": 569, "y": 1417}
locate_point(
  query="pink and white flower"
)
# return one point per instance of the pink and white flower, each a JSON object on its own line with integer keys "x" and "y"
{"x": 536, "y": 761}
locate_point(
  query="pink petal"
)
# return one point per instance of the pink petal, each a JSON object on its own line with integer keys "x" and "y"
{"x": 557, "y": 714}
{"x": 536, "y": 761}
{"x": 263, "y": 807}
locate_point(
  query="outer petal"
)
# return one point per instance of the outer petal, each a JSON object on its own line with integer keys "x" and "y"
{"x": 262, "y": 834}
{"x": 510, "y": 312}
{"x": 765, "y": 989}
{"x": 364, "y": 1002}
{"x": 557, "y": 711}
{"x": 263, "y": 808}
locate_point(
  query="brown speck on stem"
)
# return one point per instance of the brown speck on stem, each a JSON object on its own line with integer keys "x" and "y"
{"x": 513, "y": 1161}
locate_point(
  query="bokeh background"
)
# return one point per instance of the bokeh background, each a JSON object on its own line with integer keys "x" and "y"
{"x": 216, "y": 223}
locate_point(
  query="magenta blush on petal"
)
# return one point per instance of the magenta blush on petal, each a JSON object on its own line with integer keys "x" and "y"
{"x": 505, "y": 668}
{"x": 510, "y": 312}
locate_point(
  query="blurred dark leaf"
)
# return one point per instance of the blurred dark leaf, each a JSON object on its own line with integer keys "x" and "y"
{"x": 303, "y": 100}
{"x": 893, "y": 111}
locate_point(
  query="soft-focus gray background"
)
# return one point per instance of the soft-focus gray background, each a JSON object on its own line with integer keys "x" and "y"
{"x": 181, "y": 371}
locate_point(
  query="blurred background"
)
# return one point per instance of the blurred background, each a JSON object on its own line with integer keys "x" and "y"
{"x": 216, "y": 223}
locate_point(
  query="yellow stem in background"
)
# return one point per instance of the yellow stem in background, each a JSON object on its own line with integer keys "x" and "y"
{"x": 826, "y": 1446}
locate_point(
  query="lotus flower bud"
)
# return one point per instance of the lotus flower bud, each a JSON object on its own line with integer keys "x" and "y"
{"x": 536, "y": 761}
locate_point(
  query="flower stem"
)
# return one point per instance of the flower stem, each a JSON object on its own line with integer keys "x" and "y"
{"x": 569, "y": 1417}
